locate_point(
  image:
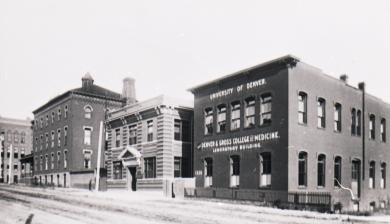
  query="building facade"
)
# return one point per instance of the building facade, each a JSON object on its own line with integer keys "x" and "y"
{"x": 66, "y": 134}
{"x": 16, "y": 142}
{"x": 283, "y": 130}
{"x": 148, "y": 142}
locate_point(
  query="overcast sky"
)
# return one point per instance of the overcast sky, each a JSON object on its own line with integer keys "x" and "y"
{"x": 46, "y": 46}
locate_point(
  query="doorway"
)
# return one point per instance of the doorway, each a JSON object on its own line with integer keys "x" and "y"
{"x": 133, "y": 178}
{"x": 356, "y": 177}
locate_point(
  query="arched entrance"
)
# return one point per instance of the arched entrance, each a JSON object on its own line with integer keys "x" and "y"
{"x": 131, "y": 159}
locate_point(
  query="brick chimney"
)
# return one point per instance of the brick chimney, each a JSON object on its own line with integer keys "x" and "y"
{"x": 128, "y": 91}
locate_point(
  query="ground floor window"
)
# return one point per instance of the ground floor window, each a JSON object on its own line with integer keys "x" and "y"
{"x": 302, "y": 169}
{"x": 234, "y": 171}
{"x": 177, "y": 167}
{"x": 265, "y": 169}
{"x": 208, "y": 172}
{"x": 337, "y": 171}
{"x": 150, "y": 167}
{"x": 118, "y": 170}
{"x": 371, "y": 179}
{"x": 321, "y": 171}
{"x": 87, "y": 159}
{"x": 383, "y": 175}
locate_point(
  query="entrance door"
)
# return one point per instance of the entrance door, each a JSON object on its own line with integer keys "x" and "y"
{"x": 133, "y": 178}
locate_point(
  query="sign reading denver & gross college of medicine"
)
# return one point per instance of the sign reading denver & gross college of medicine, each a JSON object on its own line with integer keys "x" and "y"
{"x": 242, "y": 143}
{"x": 238, "y": 89}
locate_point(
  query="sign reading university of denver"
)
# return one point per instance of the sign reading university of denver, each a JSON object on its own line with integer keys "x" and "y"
{"x": 238, "y": 143}
{"x": 247, "y": 86}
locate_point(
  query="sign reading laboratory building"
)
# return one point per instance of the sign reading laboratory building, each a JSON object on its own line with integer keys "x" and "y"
{"x": 238, "y": 89}
{"x": 242, "y": 143}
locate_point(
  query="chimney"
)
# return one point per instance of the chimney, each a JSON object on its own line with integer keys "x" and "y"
{"x": 362, "y": 86}
{"x": 344, "y": 78}
{"x": 128, "y": 91}
{"x": 87, "y": 81}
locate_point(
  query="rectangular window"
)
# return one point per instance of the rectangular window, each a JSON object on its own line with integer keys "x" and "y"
{"x": 208, "y": 121}
{"x": 302, "y": 108}
{"x": 118, "y": 170}
{"x": 87, "y": 159}
{"x": 221, "y": 119}
{"x": 177, "y": 167}
{"x": 117, "y": 138}
{"x": 337, "y": 117}
{"x": 87, "y": 136}
{"x": 383, "y": 130}
{"x": 265, "y": 169}
{"x": 208, "y": 172}
{"x": 265, "y": 109}
{"x": 182, "y": 130}
{"x": 321, "y": 113}
{"x": 353, "y": 121}
{"x": 132, "y": 134}
{"x": 150, "y": 167}
{"x": 234, "y": 171}
{"x": 235, "y": 116}
{"x": 177, "y": 130}
{"x": 250, "y": 112}
{"x": 150, "y": 131}
{"x": 371, "y": 126}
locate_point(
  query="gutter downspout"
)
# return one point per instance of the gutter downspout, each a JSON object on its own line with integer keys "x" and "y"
{"x": 362, "y": 87}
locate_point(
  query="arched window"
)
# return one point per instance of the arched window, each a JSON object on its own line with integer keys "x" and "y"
{"x": 337, "y": 171}
{"x": 234, "y": 171}
{"x": 353, "y": 121}
{"x": 383, "y": 175}
{"x": 321, "y": 112}
{"x": 88, "y": 111}
{"x": 358, "y": 123}
{"x": 302, "y": 108}
{"x": 371, "y": 175}
{"x": 265, "y": 169}
{"x": 383, "y": 130}
{"x": 337, "y": 117}
{"x": 321, "y": 170}
{"x": 208, "y": 172}
{"x": 302, "y": 169}
{"x": 371, "y": 125}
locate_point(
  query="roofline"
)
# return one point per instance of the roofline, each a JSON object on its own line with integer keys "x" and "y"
{"x": 280, "y": 59}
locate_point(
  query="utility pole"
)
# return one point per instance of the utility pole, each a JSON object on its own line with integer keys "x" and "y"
{"x": 99, "y": 156}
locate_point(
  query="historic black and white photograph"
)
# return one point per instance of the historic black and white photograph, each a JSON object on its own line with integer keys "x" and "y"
{"x": 194, "y": 111}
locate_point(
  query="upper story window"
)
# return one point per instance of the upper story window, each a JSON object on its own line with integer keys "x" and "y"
{"x": 383, "y": 130}
{"x": 265, "y": 109}
{"x": 58, "y": 159}
{"x": 337, "y": 117}
{"x": 41, "y": 142}
{"x": 182, "y": 130}
{"x": 358, "y": 123}
{"x": 117, "y": 138}
{"x": 302, "y": 169}
{"x": 208, "y": 121}
{"x": 23, "y": 138}
{"x": 59, "y": 138}
{"x": 150, "y": 130}
{"x": 133, "y": 134}
{"x": 47, "y": 140}
{"x": 371, "y": 175}
{"x": 59, "y": 113}
{"x": 16, "y": 137}
{"x": 235, "y": 116}
{"x": 383, "y": 176}
{"x": 250, "y": 112}
{"x": 66, "y": 111}
{"x": 41, "y": 122}
{"x": 321, "y": 170}
{"x": 88, "y": 111}
{"x": 47, "y": 120}
{"x": 321, "y": 112}
{"x": 87, "y": 135}
{"x": 221, "y": 118}
{"x": 52, "y": 117}
{"x": 371, "y": 126}
{"x": 65, "y": 135}
{"x": 52, "y": 139}
{"x": 302, "y": 108}
{"x": 353, "y": 121}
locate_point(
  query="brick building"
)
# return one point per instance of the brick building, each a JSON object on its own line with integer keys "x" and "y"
{"x": 283, "y": 131}
{"x": 66, "y": 133}
{"x": 148, "y": 142}
{"x": 18, "y": 133}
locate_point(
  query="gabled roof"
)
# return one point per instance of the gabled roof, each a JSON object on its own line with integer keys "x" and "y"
{"x": 129, "y": 149}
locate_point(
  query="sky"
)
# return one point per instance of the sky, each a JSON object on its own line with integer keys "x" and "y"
{"x": 46, "y": 46}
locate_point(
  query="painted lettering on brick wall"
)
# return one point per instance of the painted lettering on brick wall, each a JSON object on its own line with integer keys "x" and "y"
{"x": 238, "y": 143}
{"x": 242, "y": 87}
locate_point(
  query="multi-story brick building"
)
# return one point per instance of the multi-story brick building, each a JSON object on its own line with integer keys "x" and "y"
{"x": 285, "y": 131}
{"x": 17, "y": 142}
{"x": 66, "y": 134}
{"x": 148, "y": 142}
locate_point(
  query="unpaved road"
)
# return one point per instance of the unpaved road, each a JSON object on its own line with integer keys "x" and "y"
{"x": 66, "y": 206}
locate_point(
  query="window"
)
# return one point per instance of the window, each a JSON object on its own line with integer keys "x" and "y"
{"x": 87, "y": 158}
{"x": 358, "y": 123}
{"x": 59, "y": 138}
{"x": 337, "y": 171}
{"x": 150, "y": 167}
{"x": 52, "y": 139}
{"x": 265, "y": 109}
{"x": 321, "y": 113}
{"x": 66, "y": 111}
{"x": 371, "y": 126}
{"x": 41, "y": 122}
{"x": 234, "y": 171}
{"x": 208, "y": 172}
{"x": 132, "y": 134}
{"x": 16, "y": 137}
{"x": 58, "y": 159}
{"x": 87, "y": 135}
{"x": 118, "y": 170}
{"x": 353, "y": 121}
{"x": 117, "y": 138}
{"x": 337, "y": 117}
{"x": 65, "y": 159}
{"x": 208, "y": 121}
{"x": 302, "y": 108}
{"x": 46, "y": 162}
{"x": 41, "y": 164}
{"x": 302, "y": 169}
{"x": 47, "y": 140}
{"x": 321, "y": 171}
{"x": 52, "y": 117}
{"x": 47, "y": 121}
{"x": 52, "y": 161}
{"x": 181, "y": 130}
{"x": 355, "y": 176}
{"x": 221, "y": 119}
{"x": 371, "y": 175}
{"x": 177, "y": 130}
{"x": 235, "y": 116}
{"x": 383, "y": 175}
{"x": 23, "y": 138}
{"x": 177, "y": 167}
{"x": 250, "y": 112}
{"x": 383, "y": 130}
{"x": 88, "y": 112}
{"x": 41, "y": 141}
{"x": 265, "y": 169}
{"x": 150, "y": 131}
{"x": 65, "y": 135}
{"x": 59, "y": 113}
{"x": 186, "y": 131}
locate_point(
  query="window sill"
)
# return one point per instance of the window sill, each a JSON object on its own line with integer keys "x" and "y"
{"x": 337, "y": 132}
{"x": 321, "y": 128}
{"x": 303, "y": 124}
{"x": 302, "y": 187}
